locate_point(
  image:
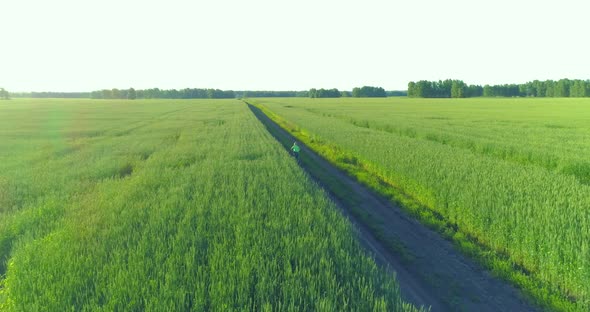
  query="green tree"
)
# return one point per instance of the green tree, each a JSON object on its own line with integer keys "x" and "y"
{"x": 107, "y": 94}
{"x": 540, "y": 88}
{"x": 527, "y": 89}
{"x": 4, "y": 95}
{"x": 549, "y": 88}
{"x": 424, "y": 89}
{"x": 324, "y": 93}
{"x": 313, "y": 93}
{"x": 458, "y": 89}
{"x": 444, "y": 87}
{"x": 474, "y": 91}
{"x": 487, "y": 91}
{"x": 562, "y": 88}
{"x": 367, "y": 91}
{"x": 131, "y": 94}
{"x": 356, "y": 92}
{"x": 575, "y": 90}
{"x": 579, "y": 88}
{"x": 535, "y": 88}
{"x": 115, "y": 93}
{"x": 412, "y": 89}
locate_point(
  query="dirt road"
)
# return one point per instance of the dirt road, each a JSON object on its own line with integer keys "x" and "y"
{"x": 429, "y": 269}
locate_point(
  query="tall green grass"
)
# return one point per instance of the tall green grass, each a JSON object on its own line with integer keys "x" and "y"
{"x": 168, "y": 206}
{"x": 510, "y": 173}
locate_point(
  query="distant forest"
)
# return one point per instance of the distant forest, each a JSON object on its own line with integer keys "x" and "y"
{"x": 188, "y": 93}
{"x": 365, "y": 91}
{"x": 46, "y": 95}
{"x": 195, "y": 93}
{"x": 156, "y": 93}
{"x": 421, "y": 89}
{"x": 459, "y": 89}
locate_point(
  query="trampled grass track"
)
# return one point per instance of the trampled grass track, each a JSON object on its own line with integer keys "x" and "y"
{"x": 168, "y": 205}
{"x": 524, "y": 204}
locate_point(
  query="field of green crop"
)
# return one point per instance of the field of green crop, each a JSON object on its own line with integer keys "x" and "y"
{"x": 512, "y": 173}
{"x": 168, "y": 206}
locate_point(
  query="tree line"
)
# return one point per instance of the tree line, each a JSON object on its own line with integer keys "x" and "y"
{"x": 156, "y": 93}
{"x": 197, "y": 93}
{"x": 426, "y": 89}
{"x": 245, "y": 94}
{"x": 48, "y": 95}
{"x": 188, "y": 93}
{"x": 547, "y": 88}
{"x": 4, "y": 95}
{"x": 459, "y": 89}
{"x": 324, "y": 93}
{"x": 365, "y": 91}
{"x": 443, "y": 89}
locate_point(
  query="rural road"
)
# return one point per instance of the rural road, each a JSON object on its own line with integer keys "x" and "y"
{"x": 430, "y": 271}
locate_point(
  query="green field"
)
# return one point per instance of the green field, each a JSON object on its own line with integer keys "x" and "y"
{"x": 509, "y": 175}
{"x": 170, "y": 206}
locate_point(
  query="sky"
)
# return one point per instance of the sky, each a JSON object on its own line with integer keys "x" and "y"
{"x": 85, "y": 45}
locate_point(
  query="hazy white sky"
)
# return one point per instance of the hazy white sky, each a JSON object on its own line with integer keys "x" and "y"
{"x": 84, "y": 45}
